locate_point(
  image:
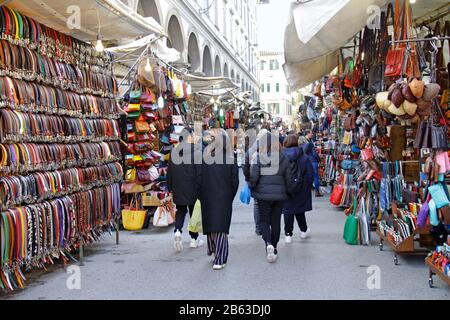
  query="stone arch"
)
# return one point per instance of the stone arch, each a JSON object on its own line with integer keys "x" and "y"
{"x": 226, "y": 72}
{"x": 207, "y": 62}
{"x": 149, "y": 8}
{"x": 232, "y": 75}
{"x": 175, "y": 34}
{"x": 217, "y": 67}
{"x": 193, "y": 52}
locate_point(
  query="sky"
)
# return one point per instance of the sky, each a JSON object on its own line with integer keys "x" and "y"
{"x": 272, "y": 20}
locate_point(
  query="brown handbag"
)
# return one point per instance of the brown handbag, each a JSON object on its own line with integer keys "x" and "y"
{"x": 142, "y": 127}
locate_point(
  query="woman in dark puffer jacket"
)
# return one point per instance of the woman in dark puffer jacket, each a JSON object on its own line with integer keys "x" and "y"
{"x": 301, "y": 201}
{"x": 270, "y": 182}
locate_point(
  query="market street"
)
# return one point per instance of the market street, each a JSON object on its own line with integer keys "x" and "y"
{"x": 145, "y": 266}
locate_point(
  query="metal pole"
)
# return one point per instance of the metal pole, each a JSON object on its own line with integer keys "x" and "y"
{"x": 117, "y": 232}
{"x": 421, "y": 40}
{"x": 81, "y": 255}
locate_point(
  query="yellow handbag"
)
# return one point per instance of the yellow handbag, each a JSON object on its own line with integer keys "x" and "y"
{"x": 132, "y": 218}
{"x": 131, "y": 175}
{"x": 347, "y": 138}
{"x": 151, "y": 200}
{"x": 134, "y": 107}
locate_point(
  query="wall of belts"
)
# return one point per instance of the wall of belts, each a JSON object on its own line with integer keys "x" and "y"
{"x": 392, "y": 159}
{"x": 59, "y": 152}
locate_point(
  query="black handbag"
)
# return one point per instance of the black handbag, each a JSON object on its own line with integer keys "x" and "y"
{"x": 426, "y": 139}
{"x": 420, "y": 134}
{"x": 376, "y": 78}
{"x": 438, "y": 132}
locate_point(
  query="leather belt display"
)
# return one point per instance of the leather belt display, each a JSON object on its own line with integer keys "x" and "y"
{"x": 59, "y": 146}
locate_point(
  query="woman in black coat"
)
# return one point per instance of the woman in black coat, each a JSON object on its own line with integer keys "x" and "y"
{"x": 301, "y": 201}
{"x": 181, "y": 182}
{"x": 219, "y": 182}
{"x": 270, "y": 182}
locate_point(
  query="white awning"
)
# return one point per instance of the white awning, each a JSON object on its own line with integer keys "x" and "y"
{"x": 162, "y": 51}
{"x": 113, "y": 18}
{"x": 318, "y": 28}
{"x": 312, "y": 39}
{"x": 213, "y": 86}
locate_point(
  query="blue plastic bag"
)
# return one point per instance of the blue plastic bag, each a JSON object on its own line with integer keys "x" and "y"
{"x": 245, "y": 195}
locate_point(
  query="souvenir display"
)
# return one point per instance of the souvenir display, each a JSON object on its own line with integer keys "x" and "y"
{"x": 59, "y": 146}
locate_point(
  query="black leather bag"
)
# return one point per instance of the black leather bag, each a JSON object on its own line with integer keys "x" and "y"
{"x": 376, "y": 78}
{"x": 438, "y": 133}
{"x": 420, "y": 134}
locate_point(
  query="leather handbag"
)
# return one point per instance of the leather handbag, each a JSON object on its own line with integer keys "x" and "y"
{"x": 336, "y": 195}
{"x": 142, "y": 127}
{"x": 438, "y": 195}
{"x": 144, "y": 75}
{"x": 143, "y": 175}
{"x": 367, "y": 154}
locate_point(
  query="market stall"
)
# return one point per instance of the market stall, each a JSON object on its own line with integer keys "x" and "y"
{"x": 60, "y": 155}
{"x": 390, "y": 90}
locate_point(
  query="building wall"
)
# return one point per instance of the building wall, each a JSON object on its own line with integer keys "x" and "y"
{"x": 274, "y": 88}
{"x": 217, "y": 37}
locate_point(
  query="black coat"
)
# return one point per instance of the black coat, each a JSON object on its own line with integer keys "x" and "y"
{"x": 271, "y": 187}
{"x": 181, "y": 178}
{"x": 302, "y": 201}
{"x": 218, "y": 184}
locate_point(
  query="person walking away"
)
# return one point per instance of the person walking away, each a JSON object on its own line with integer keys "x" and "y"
{"x": 300, "y": 202}
{"x": 310, "y": 150}
{"x": 218, "y": 185}
{"x": 270, "y": 182}
{"x": 251, "y": 150}
{"x": 181, "y": 182}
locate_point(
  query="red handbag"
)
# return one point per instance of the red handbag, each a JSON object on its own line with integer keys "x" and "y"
{"x": 336, "y": 195}
{"x": 367, "y": 154}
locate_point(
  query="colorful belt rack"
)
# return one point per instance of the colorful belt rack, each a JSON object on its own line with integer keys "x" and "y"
{"x": 59, "y": 146}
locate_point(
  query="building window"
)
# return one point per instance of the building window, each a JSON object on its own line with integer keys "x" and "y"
{"x": 268, "y": 87}
{"x": 289, "y": 110}
{"x": 274, "y": 108}
{"x": 262, "y": 88}
{"x": 277, "y": 87}
{"x": 262, "y": 66}
{"x": 274, "y": 65}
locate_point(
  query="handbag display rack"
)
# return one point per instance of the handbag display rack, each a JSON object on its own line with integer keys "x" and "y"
{"x": 158, "y": 111}
{"x": 438, "y": 263}
{"x": 59, "y": 147}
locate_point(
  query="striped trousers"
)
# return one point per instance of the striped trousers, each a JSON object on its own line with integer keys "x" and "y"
{"x": 218, "y": 245}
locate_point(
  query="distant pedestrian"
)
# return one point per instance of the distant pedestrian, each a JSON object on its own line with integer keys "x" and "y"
{"x": 270, "y": 181}
{"x": 181, "y": 182}
{"x": 218, "y": 185}
{"x": 310, "y": 150}
{"x": 252, "y": 150}
{"x": 301, "y": 201}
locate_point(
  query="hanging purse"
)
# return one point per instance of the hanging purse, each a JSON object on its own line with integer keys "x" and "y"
{"x": 142, "y": 127}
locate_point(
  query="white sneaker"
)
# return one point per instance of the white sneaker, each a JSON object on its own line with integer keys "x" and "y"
{"x": 306, "y": 234}
{"x": 196, "y": 243}
{"x": 178, "y": 245}
{"x": 288, "y": 239}
{"x": 271, "y": 256}
{"x": 218, "y": 266}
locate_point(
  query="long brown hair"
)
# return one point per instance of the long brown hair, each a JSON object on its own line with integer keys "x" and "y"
{"x": 290, "y": 141}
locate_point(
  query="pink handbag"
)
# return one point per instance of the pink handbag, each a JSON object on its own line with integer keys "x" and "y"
{"x": 443, "y": 161}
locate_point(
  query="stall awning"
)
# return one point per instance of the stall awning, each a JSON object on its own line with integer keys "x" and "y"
{"x": 214, "y": 86}
{"x": 162, "y": 51}
{"x": 316, "y": 30}
{"x": 115, "y": 19}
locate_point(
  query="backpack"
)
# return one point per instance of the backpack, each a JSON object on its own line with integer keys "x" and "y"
{"x": 296, "y": 183}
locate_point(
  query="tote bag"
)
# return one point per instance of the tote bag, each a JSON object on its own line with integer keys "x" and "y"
{"x": 351, "y": 227}
{"x": 195, "y": 223}
{"x": 161, "y": 217}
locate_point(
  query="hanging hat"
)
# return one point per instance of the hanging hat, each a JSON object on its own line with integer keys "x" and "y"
{"x": 381, "y": 98}
{"x": 410, "y": 107}
{"x": 431, "y": 91}
{"x": 397, "y": 97}
{"x": 423, "y": 107}
{"x": 417, "y": 87}
{"x": 400, "y": 111}
{"x": 407, "y": 93}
